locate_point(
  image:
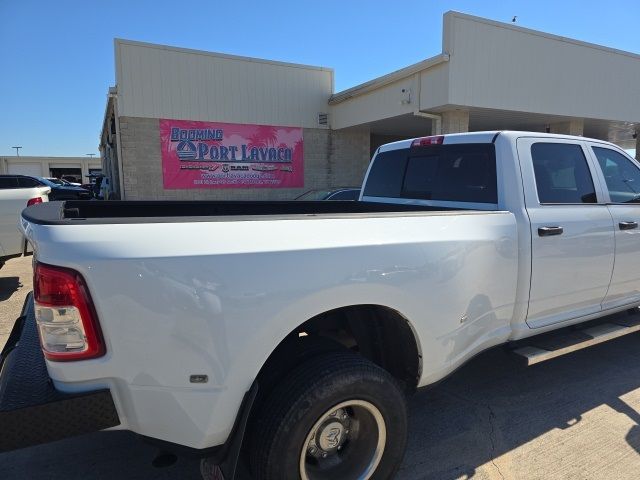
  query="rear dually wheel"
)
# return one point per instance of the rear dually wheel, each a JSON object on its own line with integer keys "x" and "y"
{"x": 337, "y": 415}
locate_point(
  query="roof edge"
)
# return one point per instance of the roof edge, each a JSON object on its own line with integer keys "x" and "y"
{"x": 539, "y": 33}
{"x": 40, "y": 158}
{"x": 112, "y": 94}
{"x": 387, "y": 79}
{"x": 122, "y": 41}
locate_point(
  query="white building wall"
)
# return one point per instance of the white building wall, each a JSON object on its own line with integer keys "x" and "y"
{"x": 434, "y": 90}
{"x": 384, "y": 102}
{"x": 501, "y": 66}
{"x": 155, "y": 81}
{"x": 408, "y": 90}
{"x": 40, "y": 166}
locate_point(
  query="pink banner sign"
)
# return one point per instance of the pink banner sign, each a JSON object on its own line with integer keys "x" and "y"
{"x": 230, "y": 155}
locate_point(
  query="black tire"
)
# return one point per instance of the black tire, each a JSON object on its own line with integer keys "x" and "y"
{"x": 287, "y": 416}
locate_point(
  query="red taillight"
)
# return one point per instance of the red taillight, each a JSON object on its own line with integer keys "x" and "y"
{"x": 426, "y": 141}
{"x": 34, "y": 201}
{"x": 65, "y": 314}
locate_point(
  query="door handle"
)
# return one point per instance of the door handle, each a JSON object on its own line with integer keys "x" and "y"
{"x": 549, "y": 231}
{"x": 628, "y": 225}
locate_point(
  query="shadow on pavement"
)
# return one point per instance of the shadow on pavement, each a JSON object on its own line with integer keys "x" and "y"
{"x": 98, "y": 456}
{"x": 495, "y": 405}
{"x": 8, "y": 285}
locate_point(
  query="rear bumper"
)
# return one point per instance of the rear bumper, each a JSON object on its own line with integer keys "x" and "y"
{"x": 32, "y": 411}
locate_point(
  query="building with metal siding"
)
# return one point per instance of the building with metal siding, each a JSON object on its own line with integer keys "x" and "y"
{"x": 488, "y": 76}
{"x": 78, "y": 167}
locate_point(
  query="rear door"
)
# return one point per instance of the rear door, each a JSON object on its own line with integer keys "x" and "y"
{"x": 621, "y": 175}
{"x": 572, "y": 239}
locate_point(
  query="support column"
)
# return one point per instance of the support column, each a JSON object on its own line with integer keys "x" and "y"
{"x": 570, "y": 127}
{"x": 455, "y": 121}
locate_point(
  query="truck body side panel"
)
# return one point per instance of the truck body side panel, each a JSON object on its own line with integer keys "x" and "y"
{"x": 216, "y": 298}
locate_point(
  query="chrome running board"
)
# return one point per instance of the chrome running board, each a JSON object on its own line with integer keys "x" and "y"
{"x": 555, "y": 344}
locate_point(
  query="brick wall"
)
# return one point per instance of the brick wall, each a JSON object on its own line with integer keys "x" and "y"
{"x": 331, "y": 158}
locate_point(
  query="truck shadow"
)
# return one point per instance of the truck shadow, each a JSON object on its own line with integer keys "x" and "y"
{"x": 495, "y": 404}
{"x": 8, "y": 286}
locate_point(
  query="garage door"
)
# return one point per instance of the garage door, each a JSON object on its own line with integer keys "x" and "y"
{"x": 25, "y": 169}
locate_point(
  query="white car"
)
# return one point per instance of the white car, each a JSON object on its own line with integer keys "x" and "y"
{"x": 293, "y": 330}
{"x": 13, "y": 199}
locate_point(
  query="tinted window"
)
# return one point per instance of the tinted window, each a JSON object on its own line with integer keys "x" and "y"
{"x": 621, "y": 174}
{"x": 562, "y": 173}
{"x": 44, "y": 181}
{"x": 345, "y": 195}
{"x": 420, "y": 177}
{"x": 26, "y": 182}
{"x": 385, "y": 176}
{"x": 456, "y": 174}
{"x": 8, "y": 182}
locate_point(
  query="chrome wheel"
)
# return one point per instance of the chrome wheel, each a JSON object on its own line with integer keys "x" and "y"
{"x": 347, "y": 442}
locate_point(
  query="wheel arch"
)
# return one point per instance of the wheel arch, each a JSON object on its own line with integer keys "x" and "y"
{"x": 391, "y": 332}
{"x": 377, "y": 332}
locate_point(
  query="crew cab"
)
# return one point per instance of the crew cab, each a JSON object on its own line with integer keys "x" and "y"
{"x": 15, "y": 197}
{"x": 287, "y": 334}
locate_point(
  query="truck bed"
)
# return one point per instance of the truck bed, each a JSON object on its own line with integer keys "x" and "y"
{"x": 217, "y": 284}
{"x": 97, "y": 212}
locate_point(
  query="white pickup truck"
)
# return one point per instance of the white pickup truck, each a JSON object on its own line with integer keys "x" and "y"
{"x": 286, "y": 334}
{"x": 16, "y": 193}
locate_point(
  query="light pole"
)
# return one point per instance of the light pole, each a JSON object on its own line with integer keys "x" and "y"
{"x": 17, "y": 151}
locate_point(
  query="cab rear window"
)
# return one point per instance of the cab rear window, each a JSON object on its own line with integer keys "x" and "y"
{"x": 387, "y": 172}
{"x": 455, "y": 173}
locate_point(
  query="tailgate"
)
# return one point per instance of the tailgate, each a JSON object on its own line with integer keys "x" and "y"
{"x": 32, "y": 411}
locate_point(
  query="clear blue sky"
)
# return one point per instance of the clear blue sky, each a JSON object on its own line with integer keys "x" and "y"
{"x": 56, "y": 57}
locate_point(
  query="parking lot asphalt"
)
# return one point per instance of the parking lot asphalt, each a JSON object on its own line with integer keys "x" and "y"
{"x": 577, "y": 416}
{"x": 16, "y": 281}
